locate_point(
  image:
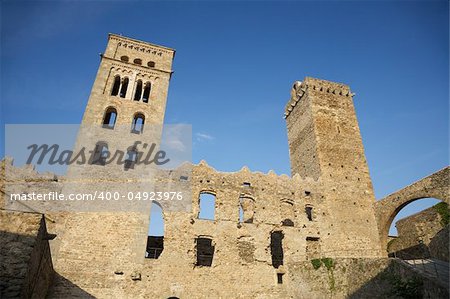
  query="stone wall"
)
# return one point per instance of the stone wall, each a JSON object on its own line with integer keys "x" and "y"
{"x": 26, "y": 269}
{"x": 415, "y": 234}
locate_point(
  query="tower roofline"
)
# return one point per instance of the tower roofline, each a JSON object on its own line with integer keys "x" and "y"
{"x": 125, "y": 38}
{"x": 300, "y": 88}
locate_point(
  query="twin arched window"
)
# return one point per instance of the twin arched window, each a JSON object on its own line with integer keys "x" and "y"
{"x": 119, "y": 86}
{"x": 110, "y": 118}
{"x": 145, "y": 95}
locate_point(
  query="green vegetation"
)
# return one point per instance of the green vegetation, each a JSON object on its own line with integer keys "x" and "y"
{"x": 328, "y": 262}
{"x": 442, "y": 209}
{"x": 316, "y": 263}
{"x": 406, "y": 288}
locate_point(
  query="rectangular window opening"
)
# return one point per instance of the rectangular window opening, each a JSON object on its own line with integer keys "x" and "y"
{"x": 155, "y": 246}
{"x": 280, "y": 278}
{"x": 205, "y": 252}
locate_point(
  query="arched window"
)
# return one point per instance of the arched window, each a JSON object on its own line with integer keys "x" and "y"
{"x": 137, "y": 61}
{"x": 101, "y": 153}
{"x": 207, "y": 205}
{"x": 146, "y": 95}
{"x": 110, "y": 118}
{"x": 151, "y": 64}
{"x": 137, "y": 126}
{"x": 131, "y": 158}
{"x": 124, "y": 58}
{"x": 123, "y": 90}
{"x": 138, "y": 93}
{"x": 116, "y": 86}
{"x": 155, "y": 239}
{"x": 246, "y": 209}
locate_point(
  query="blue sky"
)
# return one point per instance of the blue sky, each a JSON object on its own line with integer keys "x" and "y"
{"x": 234, "y": 66}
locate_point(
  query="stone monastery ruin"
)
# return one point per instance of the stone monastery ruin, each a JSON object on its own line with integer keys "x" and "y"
{"x": 319, "y": 233}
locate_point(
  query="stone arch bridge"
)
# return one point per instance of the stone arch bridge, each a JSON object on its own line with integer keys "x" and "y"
{"x": 436, "y": 185}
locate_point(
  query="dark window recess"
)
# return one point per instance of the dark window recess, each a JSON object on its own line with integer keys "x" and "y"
{"x": 309, "y": 213}
{"x": 287, "y": 222}
{"x": 280, "y": 278}
{"x": 155, "y": 246}
{"x": 276, "y": 248}
{"x": 123, "y": 89}
{"x": 131, "y": 159}
{"x": 138, "y": 93}
{"x": 116, "y": 86}
{"x": 184, "y": 178}
{"x": 246, "y": 184}
{"x": 110, "y": 118}
{"x": 205, "y": 252}
{"x": 137, "y": 126}
{"x": 146, "y": 94}
{"x": 101, "y": 153}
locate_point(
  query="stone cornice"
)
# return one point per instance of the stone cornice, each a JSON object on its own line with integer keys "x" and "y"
{"x": 141, "y": 45}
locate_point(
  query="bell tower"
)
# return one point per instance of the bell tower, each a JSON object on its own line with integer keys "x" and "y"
{"x": 125, "y": 111}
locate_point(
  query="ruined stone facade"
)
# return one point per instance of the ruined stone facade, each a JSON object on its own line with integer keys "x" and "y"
{"x": 325, "y": 209}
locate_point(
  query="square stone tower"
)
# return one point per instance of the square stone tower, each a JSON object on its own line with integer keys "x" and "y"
{"x": 325, "y": 144}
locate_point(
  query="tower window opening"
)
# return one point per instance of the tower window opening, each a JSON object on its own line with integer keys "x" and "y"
{"x": 309, "y": 212}
{"x": 123, "y": 89}
{"x": 116, "y": 86}
{"x": 205, "y": 251}
{"x": 137, "y": 61}
{"x": 151, "y": 64}
{"x": 146, "y": 95}
{"x": 109, "y": 120}
{"x": 101, "y": 153}
{"x": 137, "y": 127}
{"x": 276, "y": 248}
{"x": 155, "y": 239}
{"x": 207, "y": 206}
{"x": 130, "y": 159}
{"x": 124, "y": 58}
{"x": 138, "y": 93}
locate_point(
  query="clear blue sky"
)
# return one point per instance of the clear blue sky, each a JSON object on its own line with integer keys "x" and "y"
{"x": 234, "y": 66}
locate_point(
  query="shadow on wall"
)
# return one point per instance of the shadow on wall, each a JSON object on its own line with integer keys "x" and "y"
{"x": 60, "y": 287}
{"x": 438, "y": 248}
{"x": 399, "y": 280}
{"x": 26, "y": 263}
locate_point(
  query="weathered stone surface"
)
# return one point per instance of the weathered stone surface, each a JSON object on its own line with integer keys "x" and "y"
{"x": 325, "y": 209}
{"x": 415, "y": 234}
{"x": 436, "y": 185}
{"x": 26, "y": 268}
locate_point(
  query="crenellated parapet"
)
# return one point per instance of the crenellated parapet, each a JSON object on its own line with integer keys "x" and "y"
{"x": 299, "y": 89}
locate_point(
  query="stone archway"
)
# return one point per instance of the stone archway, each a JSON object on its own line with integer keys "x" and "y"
{"x": 435, "y": 185}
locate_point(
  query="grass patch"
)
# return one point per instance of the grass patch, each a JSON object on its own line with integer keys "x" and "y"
{"x": 442, "y": 209}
